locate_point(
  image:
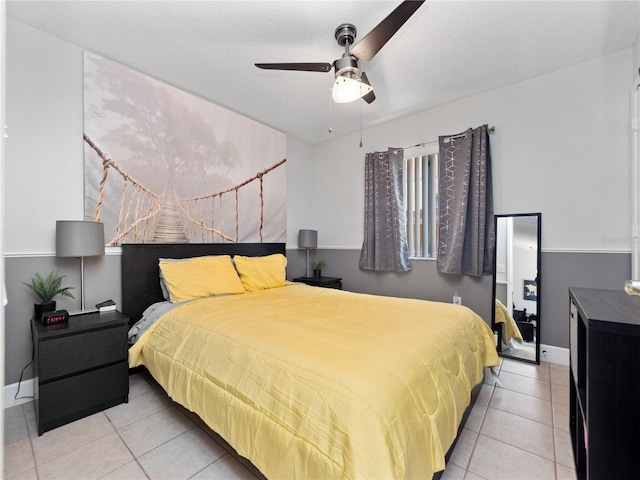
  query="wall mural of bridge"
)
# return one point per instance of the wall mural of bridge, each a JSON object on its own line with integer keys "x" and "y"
{"x": 165, "y": 166}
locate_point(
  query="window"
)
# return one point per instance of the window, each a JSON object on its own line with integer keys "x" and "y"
{"x": 421, "y": 201}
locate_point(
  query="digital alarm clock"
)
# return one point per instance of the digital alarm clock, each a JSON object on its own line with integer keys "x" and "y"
{"x": 59, "y": 316}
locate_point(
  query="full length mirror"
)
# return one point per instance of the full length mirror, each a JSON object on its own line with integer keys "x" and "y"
{"x": 516, "y": 286}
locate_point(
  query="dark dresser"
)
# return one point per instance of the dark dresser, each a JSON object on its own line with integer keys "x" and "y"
{"x": 604, "y": 387}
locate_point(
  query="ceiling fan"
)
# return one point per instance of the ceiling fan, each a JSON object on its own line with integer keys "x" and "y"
{"x": 352, "y": 83}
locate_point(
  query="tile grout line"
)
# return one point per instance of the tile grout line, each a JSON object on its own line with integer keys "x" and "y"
{"x": 229, "y": 451}
{"x": 135, "y": 459}
{"x": 475, "y": 442}
{"x": 115, "y": 429}
{"x": 527, "y": 418}
{"x": 33, "y": 451}
{"x": 555, "y": 463}
{"x": 71, "y": 451}
{"x": 553, "y": 427}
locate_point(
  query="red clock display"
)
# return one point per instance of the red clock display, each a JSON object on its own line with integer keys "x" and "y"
{"x": 59, "y": 316}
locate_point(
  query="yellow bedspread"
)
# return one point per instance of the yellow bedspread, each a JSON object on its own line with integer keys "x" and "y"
{"x": 309, "y": 382}
{"x": 511, "y": 330}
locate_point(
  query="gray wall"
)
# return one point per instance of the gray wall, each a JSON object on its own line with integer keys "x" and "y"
{"x": 102, "y": 282}
{"x": 560, "y": 270}
{"x": 423, "y": 282}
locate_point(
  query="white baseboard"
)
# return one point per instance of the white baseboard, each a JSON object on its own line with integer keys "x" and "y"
{"x": 9, "y": 392}
{"x": 551, "y": 354}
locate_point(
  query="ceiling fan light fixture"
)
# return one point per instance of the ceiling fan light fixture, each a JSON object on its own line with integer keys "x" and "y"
{"x": 350, "y": 82}
{"x": 347, "y": 89}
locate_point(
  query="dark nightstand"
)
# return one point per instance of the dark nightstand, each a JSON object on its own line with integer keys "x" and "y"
{"x": 80, "y": 367}
{"x": 327, "y": 282}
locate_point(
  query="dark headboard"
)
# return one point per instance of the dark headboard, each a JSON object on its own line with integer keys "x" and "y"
{"x": 141, "y": 274}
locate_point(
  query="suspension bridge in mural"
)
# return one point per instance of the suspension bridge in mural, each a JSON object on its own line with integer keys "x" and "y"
{"x": 148, "y": 217}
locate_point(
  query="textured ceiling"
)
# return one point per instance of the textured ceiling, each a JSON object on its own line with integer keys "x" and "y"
{"x": 446, "y": 51}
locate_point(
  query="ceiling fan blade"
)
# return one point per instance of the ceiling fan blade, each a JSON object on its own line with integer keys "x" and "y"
{"x": 373, "y": 41}
{"x": 304, "y": 67}
{"x": 369, "y": 97}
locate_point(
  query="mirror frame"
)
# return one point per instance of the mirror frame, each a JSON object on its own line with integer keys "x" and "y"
{"x": 497, "y": 330}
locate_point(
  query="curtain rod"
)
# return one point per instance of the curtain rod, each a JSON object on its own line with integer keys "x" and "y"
{"x": 491, "y": 129}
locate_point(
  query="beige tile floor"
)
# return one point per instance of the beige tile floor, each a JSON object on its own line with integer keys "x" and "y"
{"x": 518, "y": 430}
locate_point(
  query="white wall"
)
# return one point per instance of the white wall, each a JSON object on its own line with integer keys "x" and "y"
{"x": 561, "y": 147}
{"x": 524, "y": 268}
{"x": 299, "y": 188}
{"x": 44, "y": 168}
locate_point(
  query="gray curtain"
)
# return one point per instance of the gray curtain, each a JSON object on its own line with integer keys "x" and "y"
{"x": 385, "y": 237}
{"x": 466, "y": 233}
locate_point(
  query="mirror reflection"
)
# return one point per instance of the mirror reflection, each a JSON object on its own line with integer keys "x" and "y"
{"x": 516, "y": 286}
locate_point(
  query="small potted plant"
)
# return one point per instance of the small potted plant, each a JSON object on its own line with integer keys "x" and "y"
{"x": 317, "y": 265}
{"x": 47, "y": 289}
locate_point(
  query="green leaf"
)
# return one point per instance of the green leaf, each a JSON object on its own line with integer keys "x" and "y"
{"x": 48, "y": 288}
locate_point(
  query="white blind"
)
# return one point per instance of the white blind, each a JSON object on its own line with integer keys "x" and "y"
{"x": 421, "y": 204}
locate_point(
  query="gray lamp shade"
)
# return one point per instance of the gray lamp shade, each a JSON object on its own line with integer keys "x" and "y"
{"x": 307, "y": 238}
{"x": 79, "y": 239}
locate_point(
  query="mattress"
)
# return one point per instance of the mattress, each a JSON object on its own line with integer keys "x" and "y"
{"x": 309, "y": 382}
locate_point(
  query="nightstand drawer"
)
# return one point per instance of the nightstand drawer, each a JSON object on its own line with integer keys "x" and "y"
{"x": 75, "y": 353}
{"x": 80, "y": 395}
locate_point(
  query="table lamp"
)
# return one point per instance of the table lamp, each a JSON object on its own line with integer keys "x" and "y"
{"x": 307, "y": 239}
{"x": 79, "y": 239}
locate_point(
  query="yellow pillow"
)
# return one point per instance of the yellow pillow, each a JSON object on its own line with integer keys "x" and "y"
{"x": 260, "y": 273}
{"x": 200, "y": 277}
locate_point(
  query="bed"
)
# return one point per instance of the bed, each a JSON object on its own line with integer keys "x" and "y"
{"x": 510, "y": 330}
{"x": 308, "y": 382}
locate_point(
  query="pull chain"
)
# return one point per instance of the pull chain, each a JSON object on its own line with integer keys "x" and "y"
{"x": 330, "y": 112}
{"x": 360, "y": 124}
